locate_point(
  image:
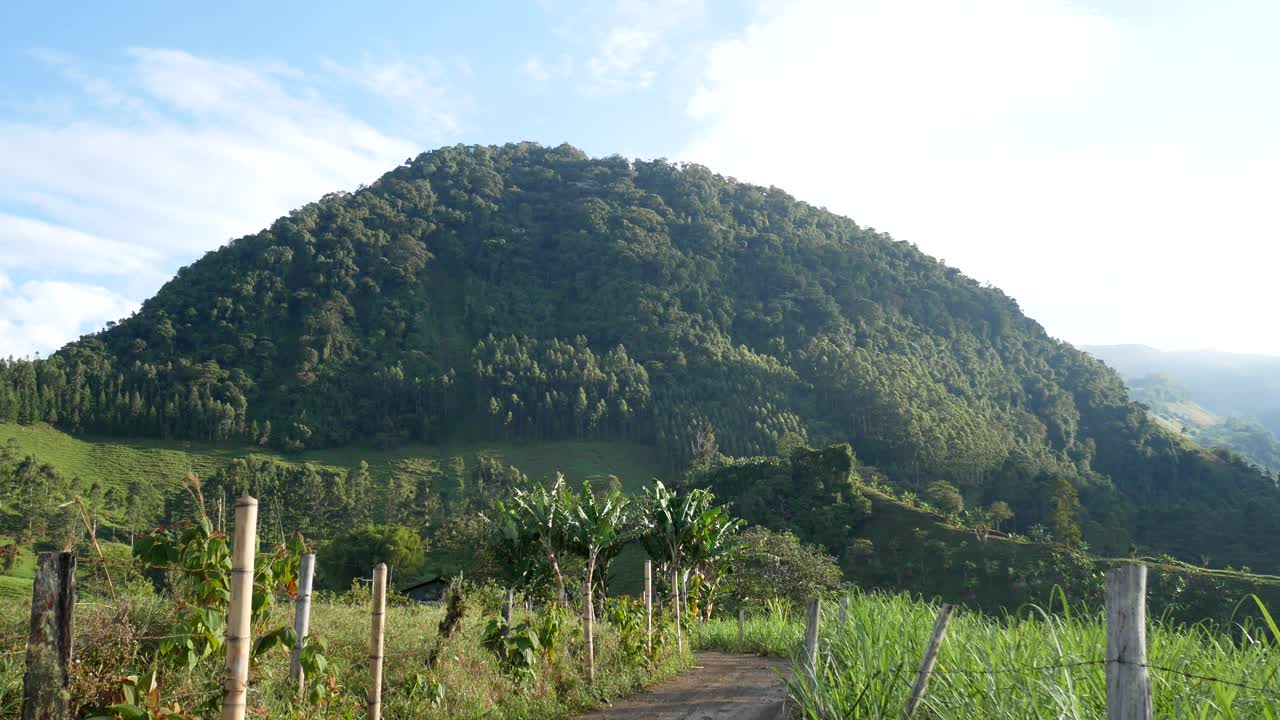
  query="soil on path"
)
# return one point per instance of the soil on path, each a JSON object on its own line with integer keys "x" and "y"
{"x": 720, "y": 687}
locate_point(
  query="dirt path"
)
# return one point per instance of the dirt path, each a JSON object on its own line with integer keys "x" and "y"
{"x": 721, "y": 687}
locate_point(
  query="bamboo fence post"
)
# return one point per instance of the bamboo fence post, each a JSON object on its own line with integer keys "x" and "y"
{"x": 588, "y": 629}
{"x": 684, "y": 595}
{"x": 302, "y": 618}
{"x": 742, "y": 625}
{"x": 53, "y": 603}
{"x": 811, "y": 639}
{"x": 648, "y": 606}
{"x": 506, "y": 612}
{"x": 377, "y": 639}
{"x": 240, "y": 613}
{"x": 1128, "y": 686}
{"x": 675, "y": 605}
{"x": 926, "y": 664}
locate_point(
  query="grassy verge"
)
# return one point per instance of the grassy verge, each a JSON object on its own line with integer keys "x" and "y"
{"x": 474, "y": 684}
{"x": 1029, "y": 666}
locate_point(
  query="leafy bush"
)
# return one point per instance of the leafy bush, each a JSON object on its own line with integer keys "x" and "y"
{"x": 772, "y": 566}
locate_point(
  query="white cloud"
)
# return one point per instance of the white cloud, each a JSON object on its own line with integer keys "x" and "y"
{"x": 535, "y": 70}
{"x": 40, "y": 316}
{"x": 986, "y": 133}
{"x": 419, "y": 85}
{"x": 209, "y": 151}
{"x": 622, "y": 44}
{"x": 37, "y": 245}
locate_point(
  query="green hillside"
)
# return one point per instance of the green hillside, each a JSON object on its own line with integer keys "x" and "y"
{"x": 526, "y": 295}
{"x": 167, "y": 463}
{"x": 900, "y": 544}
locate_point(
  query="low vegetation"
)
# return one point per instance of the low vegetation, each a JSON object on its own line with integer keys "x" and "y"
{"x": 115, "y": 640}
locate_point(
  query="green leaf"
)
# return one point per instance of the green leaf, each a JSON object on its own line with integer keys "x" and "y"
{"x": 1275, "y": 632}
{"x": 129, "y": 711}
{"x": 280, "y": 636}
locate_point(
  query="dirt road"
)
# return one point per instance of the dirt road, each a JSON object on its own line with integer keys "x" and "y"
{"x": 721, "y": 687}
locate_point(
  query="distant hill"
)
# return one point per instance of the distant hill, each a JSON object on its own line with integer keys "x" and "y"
{"x": 1224, "y": 383}
{"x": 529, "y": 294}
{"x": 1222, "y": 399}
{"x": 1172, "y": 406}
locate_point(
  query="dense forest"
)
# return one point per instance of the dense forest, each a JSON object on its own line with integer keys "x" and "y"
{"x": 528, "y": 293}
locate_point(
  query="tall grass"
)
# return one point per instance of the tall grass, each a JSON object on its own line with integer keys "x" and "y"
{"x": 1027, "y": 666}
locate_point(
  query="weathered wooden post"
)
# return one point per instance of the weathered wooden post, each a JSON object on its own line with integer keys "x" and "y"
{"x": 377, "y": 645}
{"x": 742, "y": 626}
{"x": 648, "y": 606}
{"x": 844, "y": 610}
{"x": 53, "y": 604}
{"x": 926, "y": 664}
{"x": 811, "y": 639}
{"x": 1128, "y": 686}
{"x": 240, "y": 613}
{"x": 302, "y": 618}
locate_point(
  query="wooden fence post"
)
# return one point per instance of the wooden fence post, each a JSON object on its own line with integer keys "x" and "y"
{"x": 53, "y": 603}
{"x": 377, "y": 631}
{"x": 506, "y": 612}
{"x": 926, "y": 664}
{"x": 811, "y": 639}
{"x": 240, "y": 613}
{"x": 742, "y": 625}
{"x": 1128, "y": 686}
{"x": 648, "y": 606}
{"x": 844, "y": 609}
{"x": 302, "y": 618}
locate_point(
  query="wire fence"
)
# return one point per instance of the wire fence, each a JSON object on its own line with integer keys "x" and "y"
{"x": 20, "y": 639}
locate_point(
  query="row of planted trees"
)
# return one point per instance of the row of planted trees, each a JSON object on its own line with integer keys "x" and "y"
{"x": 686, "y": 535}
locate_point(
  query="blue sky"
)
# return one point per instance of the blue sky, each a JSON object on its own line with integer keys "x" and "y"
{"x": 1113, "y": 166}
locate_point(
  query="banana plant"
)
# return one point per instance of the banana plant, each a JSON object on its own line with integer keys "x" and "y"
{"x": 535, "y": 522}
{"x": 677, "y": 524}
{"x": 596, "y": 526}
{"x": 711, "y": 552}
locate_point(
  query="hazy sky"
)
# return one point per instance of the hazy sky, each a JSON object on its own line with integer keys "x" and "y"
{"x": 1114, "y": 166}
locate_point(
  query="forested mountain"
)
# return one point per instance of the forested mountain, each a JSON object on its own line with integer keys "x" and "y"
{"x": 529, "y": 293}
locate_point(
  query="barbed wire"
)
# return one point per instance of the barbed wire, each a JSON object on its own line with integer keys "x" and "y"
{"x": 148, "y": 566}
{"x": 942, "y": 670}
{"x": 1012, "y": 670}
{"x": 1205, "y": 678}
